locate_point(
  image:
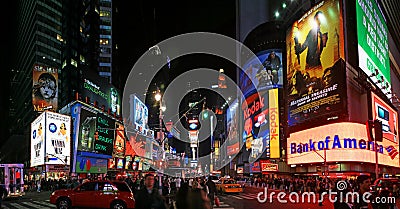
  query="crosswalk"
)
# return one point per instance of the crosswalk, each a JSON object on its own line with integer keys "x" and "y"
{"x": 28, "y": 205}
{"x": 223, "y": 205}
{"x": 243, "y": 196}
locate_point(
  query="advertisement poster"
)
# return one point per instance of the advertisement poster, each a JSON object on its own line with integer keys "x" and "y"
{"x": 128, "y": 162}
{"x": 87, "y": 129}
{"x": 138, "y": 114}
{"x": 138, "y": 144}
{"x": 388, "y": 116}
{"x": 315, "y": 66}
{"x": 120, "y": 163}
{"x": 90, "y": 165}
{"x": 256, "y": 133}
{"x": 119, "y": 145}
{"x": 267, "y": 166}
{"x": 99, "y": 89}
{"x": 104, "y": 142}
{"x": 344, "y": 142}
{"x": 58, "y": 142}
{"x": 37, "y": 140}
{"x": 232, "y": 114}
{"x": 44, "y": 89}
{"x": 255, "y": 167}
{"x": 266, "y": 76}
{"x": 373, "y": 48}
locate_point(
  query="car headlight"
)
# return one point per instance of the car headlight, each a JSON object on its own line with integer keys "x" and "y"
{"x": 53, "y": 193}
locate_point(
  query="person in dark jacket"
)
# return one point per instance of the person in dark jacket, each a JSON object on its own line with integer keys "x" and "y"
{"x": 211, "y": 188}
{"x": 3, "y": 193}
{"x": 148, "y": 197}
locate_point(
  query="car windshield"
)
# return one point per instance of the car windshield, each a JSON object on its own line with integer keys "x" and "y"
{"x": 230, "y": 182}
{"x": 122, "y": 186}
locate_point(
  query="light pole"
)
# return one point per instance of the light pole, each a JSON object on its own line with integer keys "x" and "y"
{"x": 158, "y": 98}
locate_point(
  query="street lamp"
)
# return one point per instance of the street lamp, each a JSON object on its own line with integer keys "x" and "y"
{"x": 158, "y": 98}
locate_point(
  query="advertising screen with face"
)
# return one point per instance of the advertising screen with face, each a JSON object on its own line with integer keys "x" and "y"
{"x": 373, "y": 48}
{"x": 315, "y": 65}
{"x": 37, "y": 140}
{"x": 44, "y": 90}
{"x": 58, "y": 142}
{"x": 388, "y": 116}
{"x": 344, "y": 142}
{"x": 233, "y": 143}
{"x": 138, "y": 113}
{"x": 138, "y": 144}
{"x": 265, "y": 72}
{"x": 256, "y": 133}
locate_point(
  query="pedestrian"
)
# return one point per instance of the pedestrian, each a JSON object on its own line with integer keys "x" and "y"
{"x": 341, "y": 201}
{"x": 211, "y": 188}
{"x": 39, "y": 185}
{"x": 3, "y": 193}
{"x": 148, "y": 197}
{"x": 364, "y": 183}
{"x": 198, "y": 199}
{"x": 182, "y": 196}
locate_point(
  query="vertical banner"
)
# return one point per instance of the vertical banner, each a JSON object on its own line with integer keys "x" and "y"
{"x": 388, "y": 116}
{"x": 104, "y": 129}
{"x": 119, "y": 145}
{"x": 44, "y": 89}
{"x": 274, "y": 124}
{"x": 373, "y": 47}
{"x": 37, "y": 140}
{"x": 87, "y": 129}
{"x": 58, "y": 132}
{"x": 315, "y": 66}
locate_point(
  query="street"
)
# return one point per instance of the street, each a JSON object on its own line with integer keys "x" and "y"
{"x": 245, "y": 200}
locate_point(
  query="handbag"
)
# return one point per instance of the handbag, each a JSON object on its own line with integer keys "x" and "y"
{"x": 216, "y": 200}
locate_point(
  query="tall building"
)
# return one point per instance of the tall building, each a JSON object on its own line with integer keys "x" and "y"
{"x": 37, "y": 44}
{"x": 106, "y": 44}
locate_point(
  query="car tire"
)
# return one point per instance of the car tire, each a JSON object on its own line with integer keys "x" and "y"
{"x": 63, "y": 203}
{"x": 118, "y": 205}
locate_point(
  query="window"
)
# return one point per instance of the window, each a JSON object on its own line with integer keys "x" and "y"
{"x": 103, "y": 41}
{"x": 105, "y": 14}
{"x": 122, "y": 186}
{"x": 89, "y": 186}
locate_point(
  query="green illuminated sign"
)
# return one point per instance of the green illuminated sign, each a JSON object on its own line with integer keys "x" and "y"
{"x": 372, "y": 33}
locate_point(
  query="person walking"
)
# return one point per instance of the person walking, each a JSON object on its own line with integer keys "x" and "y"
{"x": 148, "y": 197}
{"x": 3, "y": 194}
{"x": 211, "y": 188}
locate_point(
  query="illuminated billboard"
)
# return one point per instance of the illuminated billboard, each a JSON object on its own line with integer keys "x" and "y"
{"x": 344, "y": 142}
{"x": 233, "y": 143}
{"x": 373, "y": 48}
{"x": 138, "y": 144}
{"x": 99, "y": 89}
{"x": 58, "y": 142}
{"x": 265, "y": 76}
{"x": 256, "y": 135}
{"x": 87, "y": 129}
{"x": 104, "y": 143}
{"x": 316, "y": 70}
{"x": 139, "y": 114}
{"x": 38, "y": 141}
{"x": 44, "y": 89}
{"x": 119, "y": 144}
{"x": 388, "y": 116}
{"x": 90, "y": 165}
{"x": 50, "y": 137}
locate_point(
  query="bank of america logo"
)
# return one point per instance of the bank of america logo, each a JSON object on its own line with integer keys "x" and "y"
{"x": 392, "y": 151}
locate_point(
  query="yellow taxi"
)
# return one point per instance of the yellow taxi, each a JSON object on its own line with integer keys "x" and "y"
{"x": 228, "y": 186}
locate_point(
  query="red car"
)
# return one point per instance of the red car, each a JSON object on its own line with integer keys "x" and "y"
{"x": 95, "y": 194}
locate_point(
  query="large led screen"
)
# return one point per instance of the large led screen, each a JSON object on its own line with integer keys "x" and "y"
{"x": 232, "y": 114}
{"x": 44, "y": 90}
{"x": 119, "y": 144}
{"x": 344, "y": 142}
{"x": 388, "y": 116}
{"x": 138, "y": 144}
{"x": 38, "y": 140}
{"x": 262, "y": 73}
{"x": 58, "y": 142}
{"x": 105, "y": 126}
{"x": 87, "y": 130}
{"x": 138, "y": 114}
{"x": 256, "y": 128}
{"x": 315, "y": 66}
{"x": 99, "y": 89}
{"x": 373, "y": 48}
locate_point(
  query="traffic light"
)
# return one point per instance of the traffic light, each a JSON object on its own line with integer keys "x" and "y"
{"x": 377, "y": 126}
